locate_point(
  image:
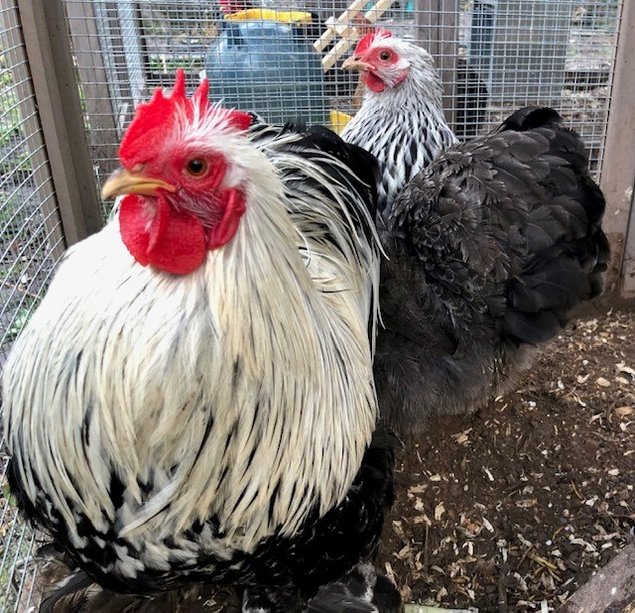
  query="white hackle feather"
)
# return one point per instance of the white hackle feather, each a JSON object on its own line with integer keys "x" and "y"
{"x": 243, "y": 390}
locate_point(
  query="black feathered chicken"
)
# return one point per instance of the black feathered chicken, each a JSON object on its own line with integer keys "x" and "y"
{"x": 489, "y": 247}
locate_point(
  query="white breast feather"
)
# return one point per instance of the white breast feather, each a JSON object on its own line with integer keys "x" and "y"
{"x": 160, "y": 353}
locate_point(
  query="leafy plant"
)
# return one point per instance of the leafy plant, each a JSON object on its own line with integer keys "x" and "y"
{"x": 7, "y": 495}
{"x": 20, "y": 319}
{"x": 10, "y": 116}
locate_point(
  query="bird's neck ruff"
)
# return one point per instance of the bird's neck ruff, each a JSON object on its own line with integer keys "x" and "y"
{"x": 404, "y": 128}
{"x": 240, "y": 394}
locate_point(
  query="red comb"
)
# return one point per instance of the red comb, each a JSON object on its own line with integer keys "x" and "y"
{"x": 367, "y": 40}
{"x": 239, "y": 120}
{"x": 154, "y": 119}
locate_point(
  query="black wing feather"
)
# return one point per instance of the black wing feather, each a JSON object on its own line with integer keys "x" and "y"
{"x": 503, "y": 237}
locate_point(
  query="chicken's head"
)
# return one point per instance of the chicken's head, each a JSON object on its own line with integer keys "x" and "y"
{"x": 386, "y": 62}
{"x": 182, "y": 193}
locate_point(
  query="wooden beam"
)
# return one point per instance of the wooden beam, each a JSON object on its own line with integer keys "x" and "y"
{"x": 102, "y": 116}
{"x": 437, "y": 33}
{"x": 628, "y": 256}
{"x": 339, "y": 26}
{"x": 349, "y": 33}
{"x": 612, "y": 588}
{"x": 23, "y": 87}
{"x": 45, "y": 34}
{"x": 618, "y": 166}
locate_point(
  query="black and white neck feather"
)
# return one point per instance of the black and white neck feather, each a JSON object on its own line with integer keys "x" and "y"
{"x": 403, "y": 126}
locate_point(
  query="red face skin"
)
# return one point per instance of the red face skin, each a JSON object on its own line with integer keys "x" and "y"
{"x": 176, "y": 207}
{"x": 379, "y": 63}
{"x": 383, "y": 61}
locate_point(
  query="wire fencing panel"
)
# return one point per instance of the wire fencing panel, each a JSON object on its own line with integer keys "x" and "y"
{"x": 31, "y": 242}
{"x": 493, "y": 55}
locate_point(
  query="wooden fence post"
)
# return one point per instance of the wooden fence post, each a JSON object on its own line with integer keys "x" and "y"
{"x": 94, "y": 78}
{"x": 34, "y": 140}
{"x": 618, "y": 165}
{"x": 435, "y": 20}
{"x": 51, "y": 64}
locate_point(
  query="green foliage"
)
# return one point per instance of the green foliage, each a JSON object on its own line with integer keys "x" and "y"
{"x": 10, "y": 221}
{"x": 7, "y": 495}
{"x": 10, "y": 116}
{"x": 20, "y": 319}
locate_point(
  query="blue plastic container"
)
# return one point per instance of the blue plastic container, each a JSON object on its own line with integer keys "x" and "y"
{"x": 269, "y": 68}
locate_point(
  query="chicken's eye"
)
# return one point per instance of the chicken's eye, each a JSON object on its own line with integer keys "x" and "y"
{"x": 196, "y": 167}
{"x": 385, "y": 56}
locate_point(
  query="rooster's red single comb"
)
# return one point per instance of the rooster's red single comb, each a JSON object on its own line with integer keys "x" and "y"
{"x": 367, "y": 40}
{"x": 153, "y": 120}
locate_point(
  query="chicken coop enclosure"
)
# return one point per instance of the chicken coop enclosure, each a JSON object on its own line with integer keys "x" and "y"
{"x": 72, "y": 72}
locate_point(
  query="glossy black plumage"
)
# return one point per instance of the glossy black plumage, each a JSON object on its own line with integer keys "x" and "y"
{"x": 361, "y": 170}
{"x": 490, "y": 247}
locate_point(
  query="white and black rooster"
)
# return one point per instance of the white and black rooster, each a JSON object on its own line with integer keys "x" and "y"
{"x": 193, "y": 400}
{"x": 489, "y": 247}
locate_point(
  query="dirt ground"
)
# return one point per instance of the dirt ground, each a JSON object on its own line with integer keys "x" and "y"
{"x": 519, "y": 504}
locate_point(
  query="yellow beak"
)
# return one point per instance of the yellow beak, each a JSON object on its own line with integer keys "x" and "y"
{"x": 126, "y": 182}
{"x": 354, "y": 63}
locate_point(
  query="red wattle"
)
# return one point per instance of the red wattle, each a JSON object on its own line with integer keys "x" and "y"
{"x": 374, "y": 83}
{"x": 172, "y": 241}
{"x": 224, "y": 231}
{"x": 159, "y": 224}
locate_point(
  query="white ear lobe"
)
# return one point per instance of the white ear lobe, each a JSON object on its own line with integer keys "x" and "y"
{"x": 402, "y": 64}
{"x": 234, "y": 177}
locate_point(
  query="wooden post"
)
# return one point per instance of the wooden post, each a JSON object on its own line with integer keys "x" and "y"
{"x": 437, "y": 33}
{"x": 52, "y": 72}
{"x": 618, "y": 165}
{"x": 32, "y": 130}
{"x": 628, "y": 261}
{"x": 612, "y": 588}
{"x": 102, "y": 116}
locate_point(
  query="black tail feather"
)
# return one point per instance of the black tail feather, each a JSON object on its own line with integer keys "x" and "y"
{"x": 72, "y": 585}
{"x": 530, "y": 117}
{"x": 568, "y": 253}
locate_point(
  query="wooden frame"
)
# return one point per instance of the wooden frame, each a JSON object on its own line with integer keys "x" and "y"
{"x": 344, "y": 28}
{"x": 618, "y": 166}
{"x": 34, "y": 141}
{"x": 45, "y": 34}
{"x": 432, "y": 36}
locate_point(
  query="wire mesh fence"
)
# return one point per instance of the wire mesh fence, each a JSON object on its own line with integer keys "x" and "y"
{"x": 31, "y": 242}
{"x": 493, "y": 55}
{"x": 281, "y": 59}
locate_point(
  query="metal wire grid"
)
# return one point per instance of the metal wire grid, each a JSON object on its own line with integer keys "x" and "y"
{"x": 559, "y": 53}
{"x": 494, "y": 56}
{"x": 31, "y": 241}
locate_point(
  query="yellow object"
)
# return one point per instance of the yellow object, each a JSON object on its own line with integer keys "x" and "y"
{"x": 338, "y": 120}
{"x": 270, "y": 15}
